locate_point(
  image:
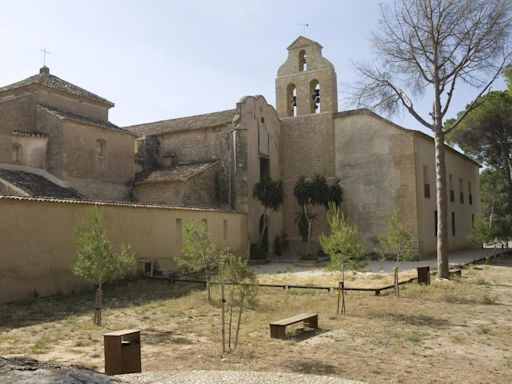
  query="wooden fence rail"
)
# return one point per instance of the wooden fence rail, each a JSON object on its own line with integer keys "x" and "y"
{"x": 376, "y": 291}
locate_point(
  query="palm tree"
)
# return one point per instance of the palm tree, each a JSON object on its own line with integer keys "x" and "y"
{"x": 311, "y": 192}
{"x": 270, "y": 194}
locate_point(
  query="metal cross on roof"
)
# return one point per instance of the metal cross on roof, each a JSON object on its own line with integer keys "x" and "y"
{"x": 45, "y": 52}
{"x": 303, "y": 25}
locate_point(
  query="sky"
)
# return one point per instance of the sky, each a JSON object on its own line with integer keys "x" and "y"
{"x": 159, "y": 60}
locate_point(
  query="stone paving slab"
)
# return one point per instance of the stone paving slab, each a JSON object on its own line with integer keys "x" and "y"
{"x": 230, "y": 377}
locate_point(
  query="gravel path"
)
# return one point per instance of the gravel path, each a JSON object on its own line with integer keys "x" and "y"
{"x": 230, "y": 377}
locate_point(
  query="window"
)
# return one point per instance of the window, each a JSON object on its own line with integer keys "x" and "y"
{"x": 101, "y": 148}
{"x": 453, "y": 223}
{"x": 292, "y": 100}
{"x": 17, "y": 153}
{"x": 472, "y": 221}
{"x": 303, "y": 61}
{"x": 179, "y": 230}
{"x": 461, "y": 191}
{"x": 264, "y": 167}
{"x": 450, "y": 184}
{"x": 470, "y": 195}
{"x": 426, "y": 182}
{"x": 225, "y": 229}
{"x": 435, "y": 223}
{"x": 314, "y": 90}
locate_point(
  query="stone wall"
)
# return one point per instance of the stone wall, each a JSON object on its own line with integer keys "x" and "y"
{"x": 200, "y": 145}
{"x": 37, "y": 254}
{"x": 259, "y": 135}
{"x": 199, "y": 191}
{"x": 307, "y": 147}
{"x": 375, "y": 160}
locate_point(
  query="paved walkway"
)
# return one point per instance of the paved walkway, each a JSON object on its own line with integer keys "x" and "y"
{"x": 461, "y": 257}
{"x": 229, "y": 377}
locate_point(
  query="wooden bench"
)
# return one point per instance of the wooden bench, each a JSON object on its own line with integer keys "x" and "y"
{"x": 278, "y": 328}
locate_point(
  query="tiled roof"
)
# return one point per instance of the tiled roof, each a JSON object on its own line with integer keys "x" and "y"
{"x": 37, "y": 185}
{"x": 85, "y": 120}
{"x": 29, "y": 134}
{"x": 118, "y": 204}
{"x": 50, "y": 81}
{"x": 178, "y": 173}
{"x": 211, "y": 120}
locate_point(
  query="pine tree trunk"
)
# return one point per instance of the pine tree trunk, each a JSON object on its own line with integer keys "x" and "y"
{"x": 508, "y": 176}
{"x": 442, "y": 207}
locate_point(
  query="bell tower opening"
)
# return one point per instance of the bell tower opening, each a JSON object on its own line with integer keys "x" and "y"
{"x": 303, "y": 61}
{"x": 306, "y": 83}
{"x": 314, "y": 88}
{"x": 292, "y": 101}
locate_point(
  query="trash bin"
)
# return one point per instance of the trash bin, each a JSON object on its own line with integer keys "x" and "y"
{"x": 122, "y": 352}
{"x": 424, "y": 275}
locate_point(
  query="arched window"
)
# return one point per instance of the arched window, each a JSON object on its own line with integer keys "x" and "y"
{"x": 17, "y": 153}
{"x": 314, "y": 88}
{"x": 101, "y": 149}
{"x": 292, "y": 100}
{"x": 303, "y": 61}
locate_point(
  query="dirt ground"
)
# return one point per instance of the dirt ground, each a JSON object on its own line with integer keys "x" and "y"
{"x": 457, "y": 331}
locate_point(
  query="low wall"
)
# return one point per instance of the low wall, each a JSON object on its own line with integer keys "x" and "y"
{"x": 36, "y": 239}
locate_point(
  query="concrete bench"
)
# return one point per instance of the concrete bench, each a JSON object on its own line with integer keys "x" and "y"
{"x": 278, "y": 328}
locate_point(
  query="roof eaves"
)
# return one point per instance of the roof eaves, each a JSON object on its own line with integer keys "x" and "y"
{"x": 366, "y": 111}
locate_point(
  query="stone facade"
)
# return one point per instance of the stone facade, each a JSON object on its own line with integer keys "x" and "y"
{"x": 214, "y": 160}
{"x": 49, "y": 124}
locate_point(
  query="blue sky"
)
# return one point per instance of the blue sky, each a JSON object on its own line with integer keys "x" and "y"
{"x": 165, "y": 59}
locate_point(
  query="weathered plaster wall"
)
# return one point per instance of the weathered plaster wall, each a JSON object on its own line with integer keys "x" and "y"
{"x": 260, "y": 133}
{"x": 460, "y": 167}
{"x": 43, "y": 263}
{"x": 375, "y": 161}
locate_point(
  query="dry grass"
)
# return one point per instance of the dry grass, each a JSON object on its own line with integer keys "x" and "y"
{"x": 455, "y": 331}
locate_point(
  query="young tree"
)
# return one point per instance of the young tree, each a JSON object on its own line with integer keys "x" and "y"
{"x": 435, "y": 46}
{"x": 199, "y": 252}
{"x": 95, "y": 261}
{"x": 344, "y": 247}
{"x": 235, "y": 272}
{"x": 396, "y": 242}
{"x": 311, "y": 192}
{"x": 270, "y": 194}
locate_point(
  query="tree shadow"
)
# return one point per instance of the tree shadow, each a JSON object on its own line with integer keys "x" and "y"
{"x": 314, "y": 367}
{"x": 303, "y": 333}
{"x": 122, "y": 294}
{"x": 422, "y": 320}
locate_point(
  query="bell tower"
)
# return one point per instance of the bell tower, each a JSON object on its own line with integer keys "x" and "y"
{"x": 306, "y": 82}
